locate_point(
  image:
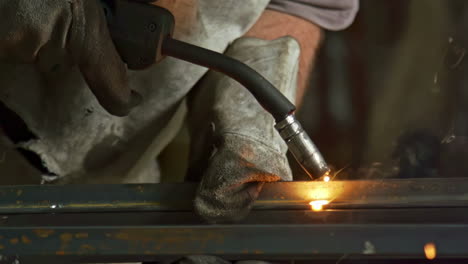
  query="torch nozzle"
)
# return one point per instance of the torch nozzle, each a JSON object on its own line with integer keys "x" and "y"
{"x": 302, "y": 147}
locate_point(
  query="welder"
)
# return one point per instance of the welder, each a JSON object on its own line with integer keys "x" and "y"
{"x": 88, "y": 119}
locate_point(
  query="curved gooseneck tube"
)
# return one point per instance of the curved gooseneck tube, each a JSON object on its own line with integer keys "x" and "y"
{"x": 272, "y": 100}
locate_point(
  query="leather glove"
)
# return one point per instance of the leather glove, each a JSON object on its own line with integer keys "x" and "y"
{"x": 58, "y": 33}
{"x": 234, "y": 143}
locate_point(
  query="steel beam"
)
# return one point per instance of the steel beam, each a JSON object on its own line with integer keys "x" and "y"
{"x": 391, "y": 219}
{"x": 284, "y": 195}
{"x": 238, "y": 241}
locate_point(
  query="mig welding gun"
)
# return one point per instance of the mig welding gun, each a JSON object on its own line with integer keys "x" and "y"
{"x": 142, "y": 34}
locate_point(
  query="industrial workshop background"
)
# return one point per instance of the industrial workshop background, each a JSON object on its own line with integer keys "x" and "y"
{"x": 380, "y": 88}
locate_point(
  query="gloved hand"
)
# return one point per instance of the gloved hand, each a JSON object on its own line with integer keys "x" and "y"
{"x": 59, "y": 33}
{"x": 215, "y": 260}
{"x": 235, "y": 176}
{"x": 234, "y": 143}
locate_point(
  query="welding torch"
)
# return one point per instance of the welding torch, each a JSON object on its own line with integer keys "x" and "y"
{"x": 142, "y": 34}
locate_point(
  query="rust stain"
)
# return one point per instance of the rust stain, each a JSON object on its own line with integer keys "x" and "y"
{"x": 14, "y": 241}
{"x": 1, "y": 237}
{"x": 2, "y": 246}
{"x": 60, "y": 253}
{"x": 87, "y": 247}
{"x": 66, "y": 237}
{"x": 173, "y": 240}
{"x": 81, "y": 235}
{"x": 25, "y": 239}
{"x": 122, "y": 236}
{"x": 19, "y": 192}
{"x": 43, "y": 233}
{"x": 258, "y": 252}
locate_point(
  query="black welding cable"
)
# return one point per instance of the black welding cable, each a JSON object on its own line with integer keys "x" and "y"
{"x": 266, "y": 94}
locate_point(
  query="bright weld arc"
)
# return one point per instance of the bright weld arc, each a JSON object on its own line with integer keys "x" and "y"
{"x": 318, "y": 205}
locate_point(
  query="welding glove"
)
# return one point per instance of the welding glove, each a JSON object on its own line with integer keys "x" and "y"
{"x": 215, "y": 260}
{"x": 235, "y": 146}
{"x": 55, "y": 34}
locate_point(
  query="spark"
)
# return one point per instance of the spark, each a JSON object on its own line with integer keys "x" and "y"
{"x": 318, "y": 204}
{"x": 430, "y": 251}
{"x": 335, "y": 174}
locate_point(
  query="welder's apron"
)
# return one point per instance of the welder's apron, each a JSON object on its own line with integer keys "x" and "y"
{"x": 75, "y": 136}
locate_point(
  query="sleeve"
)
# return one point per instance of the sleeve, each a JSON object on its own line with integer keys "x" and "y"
{"x": 328, "y": 14}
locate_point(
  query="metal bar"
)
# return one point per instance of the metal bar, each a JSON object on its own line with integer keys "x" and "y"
{"x": 95, "y": 198}
{"x": 110, "y": 237}
{"x": 238, "y": 241}
{"x": 256, "y": 217}
{"x": 389, "y": 219}
{"x": 282, "y": 195}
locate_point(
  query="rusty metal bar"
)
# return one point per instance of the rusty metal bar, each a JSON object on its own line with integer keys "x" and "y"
{"x": 282, "y": 195}
{"x": 238, "y": 241}
{"x": 366, "y": 219}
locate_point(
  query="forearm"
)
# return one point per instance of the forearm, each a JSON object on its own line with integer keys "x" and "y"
{"x": 271, "y": 25}
{"x": 274, "y": 24}
{"x": 185, "y": 14}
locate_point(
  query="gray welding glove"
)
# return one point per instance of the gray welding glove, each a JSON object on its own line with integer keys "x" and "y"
{"x": 235, "y": 146}
{"x": 56, "y": 34}
{"x": 202, "y": 260}
{"x": 215, "y": 260}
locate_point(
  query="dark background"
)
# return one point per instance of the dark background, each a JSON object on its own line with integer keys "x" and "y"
{"x": 388, "y": 94}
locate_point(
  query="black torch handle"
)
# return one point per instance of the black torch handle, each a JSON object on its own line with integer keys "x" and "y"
{"x": 266, "y": 94}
